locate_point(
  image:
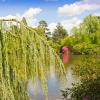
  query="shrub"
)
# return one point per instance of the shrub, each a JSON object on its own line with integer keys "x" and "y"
{"x": 86, "y": 90}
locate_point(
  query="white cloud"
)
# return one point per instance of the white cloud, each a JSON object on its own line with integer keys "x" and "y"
{"x": 97, "y": 14}
{"x": 52, "y": 26}
{"x": 68, "y": 24}
{"x": 8, "y": 17}
{"x": 30, "y": 16}
{"x": 76, "y": 8}
{"x": 32, "y": 22}
{"x": 32, "y": 12}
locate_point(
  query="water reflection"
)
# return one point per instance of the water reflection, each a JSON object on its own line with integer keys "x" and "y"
{"x": 53, "y": 83}
{"x": 56, "y": 81}
{"x": 35, "y": 90}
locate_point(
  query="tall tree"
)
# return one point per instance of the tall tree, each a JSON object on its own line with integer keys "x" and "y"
{"x": 89, "y": 27}
{"x": 44, "y": 26}
{"x": 59, "y": 33}
{"x": 90, "y": 24}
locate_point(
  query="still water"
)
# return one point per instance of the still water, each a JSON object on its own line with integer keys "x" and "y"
{"x": 55, "y": 82}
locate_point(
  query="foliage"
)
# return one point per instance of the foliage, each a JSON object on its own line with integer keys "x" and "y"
{"x": 88, "y": 69}
{"x": 85, "y": 48}
{"x": 87, "y": 90}
{"x": 59, "y": 33}
{"x": 86, "y": 38}
{"x": 68, "y": 41}
{"x": 24, "y": 21}
{"x": 90, "y": 25}
{"x": 83, "y": 40}
{"x": 40, "y": 31}
{"x": 24, "y": 55}
{"x": 43, "y": 25}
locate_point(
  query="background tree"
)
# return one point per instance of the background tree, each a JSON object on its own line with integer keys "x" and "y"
{"x": 90, "y": 26}
{"x": 44, "y": 26}
{"x": 86, "y": 38}
{"x": 59, "y": 33}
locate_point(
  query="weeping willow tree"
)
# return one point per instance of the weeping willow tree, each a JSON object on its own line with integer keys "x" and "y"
{"x": 24, "y": 55}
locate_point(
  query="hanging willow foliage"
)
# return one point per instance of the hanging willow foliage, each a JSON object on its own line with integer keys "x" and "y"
{"x": 24, "y": 55}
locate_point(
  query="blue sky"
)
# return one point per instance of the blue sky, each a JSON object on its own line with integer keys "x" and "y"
{"x": 69, "y": 12}
{"x": 19, "y": 6}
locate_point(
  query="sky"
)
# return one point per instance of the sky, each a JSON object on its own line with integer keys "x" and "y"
{"x": 69, "y": 13}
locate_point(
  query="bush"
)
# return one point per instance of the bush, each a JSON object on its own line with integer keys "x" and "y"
{"x": 84, "y": 48}
{"x": 86, "y": 90}
{"x": 88, "y": 70}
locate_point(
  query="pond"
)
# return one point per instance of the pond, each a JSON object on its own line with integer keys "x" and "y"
{"x": 57, "y": 82}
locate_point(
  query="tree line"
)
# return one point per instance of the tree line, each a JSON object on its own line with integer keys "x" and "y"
{"x": 84, "y": 39}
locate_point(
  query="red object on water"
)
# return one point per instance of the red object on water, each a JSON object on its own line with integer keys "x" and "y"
{"x": 65, "y": 55}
